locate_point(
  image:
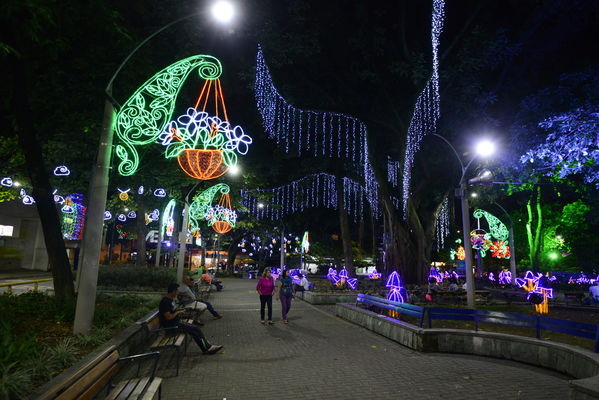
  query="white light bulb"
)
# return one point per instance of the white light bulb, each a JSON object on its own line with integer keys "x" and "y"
{"x": 234, "y": 170}
{"x": 223, "y": 11}
{"x": 485, "y": 148}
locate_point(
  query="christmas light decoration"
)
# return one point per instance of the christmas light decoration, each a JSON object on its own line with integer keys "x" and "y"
{"x": 123, "y": 194}
{"x": 160, "y": 192}
{"x": 62, "y": 170}
{"x": 25, "y": 198}
{"x": 442, "y": 224}
{"x": 427, "y": 108}
{"x": 531, "y": 283}
{"x": 221, "y": 217}
{"x": 480, "y": 241}
{"x": 374, "y": 275}
{"x": 132, "y": 215}
{"x": 73, "y": 217}
{"x": 396, "y": 291}
{"x": 140, "y": 190}
{"x": 433, "y": 273}
{"x": 167, "y": 225}
{"x": 145, "y": 115}
{"x": 316, "y": 190}
{"x": 122, "y": 217}
{"x": 7, "y": 181}
{"x": 505, "y": 277}
{"x": 492, "y": 277}
{"x": 325, "y": 134}
{"x": 499, "y": 249}
{"x": 57, "y": 198}
{"x": 497, "y": 229}
{"x": 107, "y": 215}
{"x": 305, "y": 243}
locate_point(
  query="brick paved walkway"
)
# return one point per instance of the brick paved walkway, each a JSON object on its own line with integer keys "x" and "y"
{"x": 319, "y": 356}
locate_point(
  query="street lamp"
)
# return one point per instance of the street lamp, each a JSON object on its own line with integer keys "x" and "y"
{"x": 234, "y": 170}
{"x": 223, "y": 11}
{"x": 98, "y": 190}
{"x": 484, "y": 149}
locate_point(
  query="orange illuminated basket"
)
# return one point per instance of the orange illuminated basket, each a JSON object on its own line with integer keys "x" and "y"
{"x": 221, "y": 227}
{"x": 202, "y": 164}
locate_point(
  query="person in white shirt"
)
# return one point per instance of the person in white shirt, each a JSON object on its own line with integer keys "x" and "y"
{"x": 594, "y": 289}
{"x": 304, "y": 283}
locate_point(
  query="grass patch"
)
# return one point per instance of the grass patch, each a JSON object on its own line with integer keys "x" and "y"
{"x": 36, "y": 339}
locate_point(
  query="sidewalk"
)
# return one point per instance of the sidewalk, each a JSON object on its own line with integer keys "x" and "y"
{"x": 20, "y": 275}
{"x": 319, "y": 356}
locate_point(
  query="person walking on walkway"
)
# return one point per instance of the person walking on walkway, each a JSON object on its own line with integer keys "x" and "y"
{"x": 265, "y": 288}
{"x": 169, "y": 318}
{"x": 285, "y": 292}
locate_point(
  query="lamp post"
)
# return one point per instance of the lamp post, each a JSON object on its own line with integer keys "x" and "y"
{"x": 98, "y": 190}
{"x": 484, "y": 149}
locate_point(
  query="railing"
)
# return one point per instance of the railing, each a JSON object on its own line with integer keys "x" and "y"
{"x": 35, "y": 284}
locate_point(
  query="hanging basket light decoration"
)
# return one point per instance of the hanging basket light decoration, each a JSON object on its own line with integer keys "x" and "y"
{"x": 221, "y": 217}
{"x": 206, "y": 146}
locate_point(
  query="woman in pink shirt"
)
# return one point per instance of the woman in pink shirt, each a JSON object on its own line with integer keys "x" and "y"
{"x": 265, "y": 288}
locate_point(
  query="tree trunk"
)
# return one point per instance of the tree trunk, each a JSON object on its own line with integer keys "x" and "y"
{"x": 233, "y": 250}
{"x": 345, "y": 233}
{"x": 140, "y": 222}
{"x": 40, "y": 181}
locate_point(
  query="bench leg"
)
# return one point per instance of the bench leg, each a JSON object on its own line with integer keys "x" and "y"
{"x": 178, "y": 359}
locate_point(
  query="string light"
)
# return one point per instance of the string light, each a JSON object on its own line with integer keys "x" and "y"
{"x": 316, "y": 190}
{"x": 427, "y": 108}
{"x": 442, "y": 224}
{"x": 145, "y": 115}
{"x": 62, "y": 170}
{"x": 304, "y": 130}
{"x": 7, "y": 181}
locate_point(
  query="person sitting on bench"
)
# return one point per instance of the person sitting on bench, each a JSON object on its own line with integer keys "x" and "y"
{"x": 211, "y": 281}
{"x": 169, "y": 318}
{"x": 190, "y": 301}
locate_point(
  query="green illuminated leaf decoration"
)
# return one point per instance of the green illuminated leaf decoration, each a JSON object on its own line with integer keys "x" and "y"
{"x": 145, "y": 115}
{"x": 174, "y": 149}
{"x": 202, "y": 202}
{"x": 496, "y": 227}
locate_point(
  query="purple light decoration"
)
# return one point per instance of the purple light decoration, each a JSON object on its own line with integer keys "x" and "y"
{"x": 352, "y": 283}
{"x": 435, "y": 274}
{"x": 160, "y": 192}
{"x": 343, "y": 274}
{"x": 505, "y": 277}
{"x": 122, "y": 217}
{"x": 107, "y": 215}
{"x": 395, "y": 288}
{"x": 374, "y": 274}
{"x": 491, "y": 277}
{"x": 132, "y": 215}
{"x": 7, "y": 181}
{"x": 521, "y": 282}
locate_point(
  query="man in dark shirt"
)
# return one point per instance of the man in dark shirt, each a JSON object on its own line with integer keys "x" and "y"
{"x": 169, "y": 317}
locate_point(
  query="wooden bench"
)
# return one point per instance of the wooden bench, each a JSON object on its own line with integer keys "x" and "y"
{"x": 401, "y": 308}
{"x": 165, "y": 338}
{"x": 96, "y": 376}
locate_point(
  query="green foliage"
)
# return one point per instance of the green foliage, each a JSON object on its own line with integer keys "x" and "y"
{"x": 15, "y": 382}
{"x": 65, "y": 352}
{"x": 124, "y": 277}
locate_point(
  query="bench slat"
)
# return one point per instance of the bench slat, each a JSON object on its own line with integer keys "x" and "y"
{"x": 93, "y": 390}
{"x": 87, "y": 382}
{"x": 152, "y": 390}
{"x": 129, "y": 388}
{"x": 116, "y": 390}
{"x": 139, "y": 389}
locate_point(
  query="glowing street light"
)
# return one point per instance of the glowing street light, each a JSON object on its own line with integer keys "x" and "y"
{"x": 485, "y": 148}
{"x": 473, "y": 194}
{"x": 234, "y": 170}
{"x": 553, "y": 256}
{"x": 223, "y": 11}
{"x": 260, "y": 205}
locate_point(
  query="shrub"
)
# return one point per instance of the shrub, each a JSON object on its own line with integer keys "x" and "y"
{"x": 127, "y": 277}
{"x": 64, "y": 353}
{"x": 15, "y": 382}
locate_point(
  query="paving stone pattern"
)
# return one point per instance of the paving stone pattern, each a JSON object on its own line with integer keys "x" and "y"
{"x": 319, "y": 356}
